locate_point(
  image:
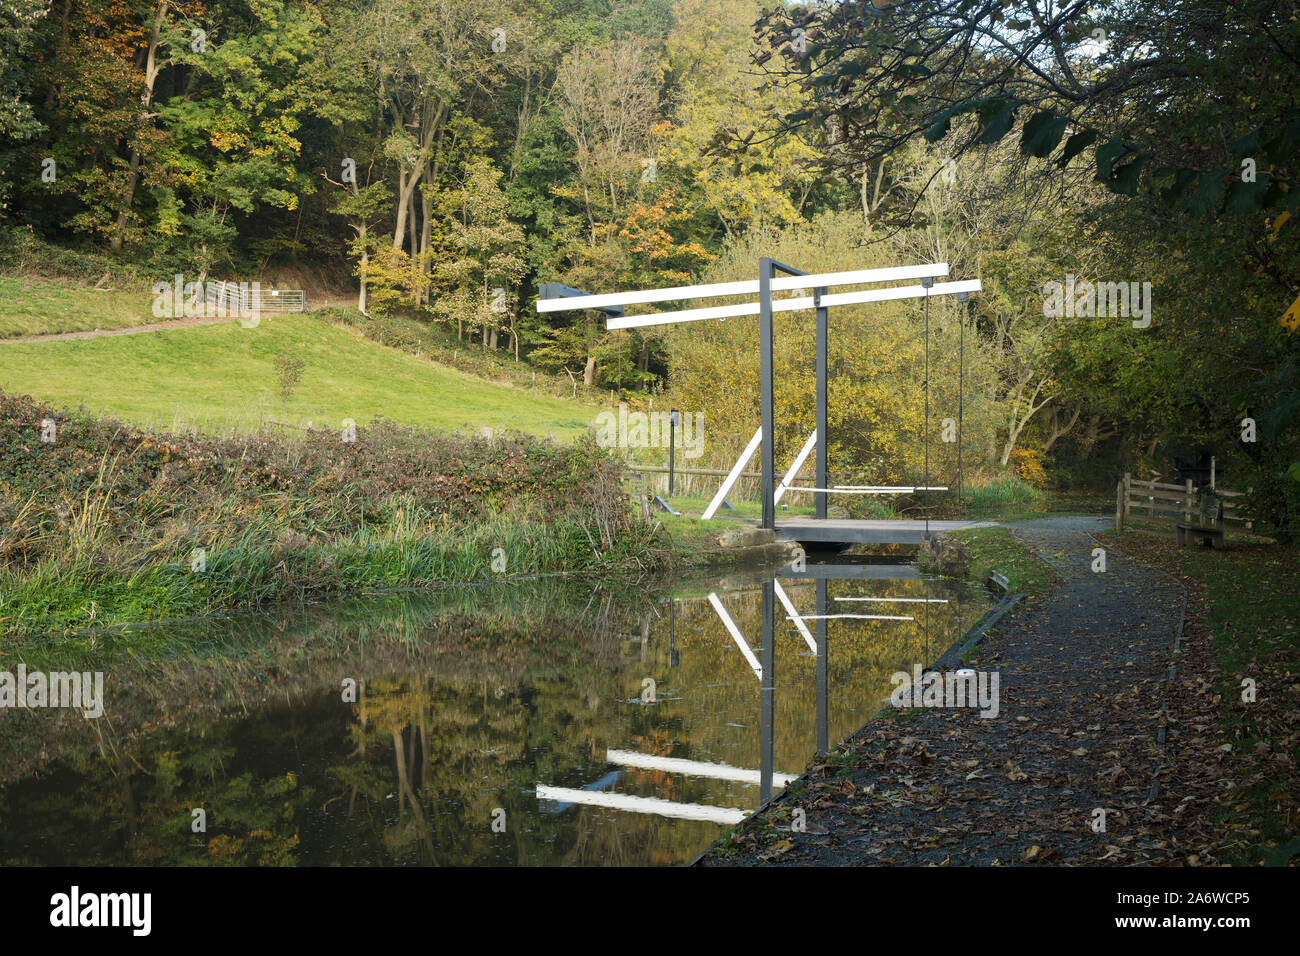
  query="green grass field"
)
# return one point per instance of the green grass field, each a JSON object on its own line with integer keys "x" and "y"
{"x": 222, "y": 378}
{"x": 36, "y": 306}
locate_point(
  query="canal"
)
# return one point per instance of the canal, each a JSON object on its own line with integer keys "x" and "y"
{"x": 543, "y": 722}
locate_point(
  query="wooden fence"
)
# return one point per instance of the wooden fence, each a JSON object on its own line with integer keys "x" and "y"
{"x": 1160, "y": 500}
{"x": 704, "y": 482}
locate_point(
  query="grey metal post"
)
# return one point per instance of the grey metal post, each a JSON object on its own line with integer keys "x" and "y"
{"x": 961, "y": 396}
{"x": 822, "y": 323}
{"x": 767, "y": 720}
{"x": 672, "y": 444}
{"x": 767, "y": 413}
{"x": 672, "y": 632}
{"x": 823, "y": 723}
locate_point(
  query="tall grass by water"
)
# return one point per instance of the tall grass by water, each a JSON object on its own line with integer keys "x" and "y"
{"x": 111, "y": 525}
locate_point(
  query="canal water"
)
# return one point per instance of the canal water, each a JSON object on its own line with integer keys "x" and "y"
{"x": 547, "y": 722}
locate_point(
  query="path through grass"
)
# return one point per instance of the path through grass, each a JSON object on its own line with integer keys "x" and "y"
{"x": 221, "y": 377}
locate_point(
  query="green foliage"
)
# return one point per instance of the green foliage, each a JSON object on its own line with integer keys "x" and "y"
{"x": 1004, "y": 492}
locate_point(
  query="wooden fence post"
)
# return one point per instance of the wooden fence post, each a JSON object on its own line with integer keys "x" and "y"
{"x": 1187, "y": 501}
{"x": 1127, "y": 494}
{"x": 1119, "y": 506}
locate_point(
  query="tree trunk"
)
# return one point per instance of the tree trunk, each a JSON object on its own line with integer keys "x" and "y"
{"x": 1089, "y": 437}
{"x": 406, "y": 183}
{"x": 365, "y": 262}
{"x": 1060, "y": 432}
{"x": 1015, "y": 422}
{"x": 410, "y": 226}
{"x": 151, "y": 70}
{"x": 426, "y": 231}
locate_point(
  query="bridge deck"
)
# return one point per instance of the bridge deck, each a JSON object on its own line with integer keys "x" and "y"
{"x": 846, "y": 530}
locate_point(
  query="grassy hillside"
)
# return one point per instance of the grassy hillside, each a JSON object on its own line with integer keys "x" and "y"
{"x": 33, "y": 305}
{"x": 222, "y": 377}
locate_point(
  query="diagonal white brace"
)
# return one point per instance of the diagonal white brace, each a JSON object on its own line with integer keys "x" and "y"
{"x": 731, "y": 478}
{"x": 736, "y": 636}
{"x": 799, "y": 459}
{"x": 791, "y": 610}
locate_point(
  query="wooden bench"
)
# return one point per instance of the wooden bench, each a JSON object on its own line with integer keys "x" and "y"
{"x": 1209, "y": 525}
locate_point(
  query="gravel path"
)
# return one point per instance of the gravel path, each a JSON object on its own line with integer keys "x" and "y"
{"x": 1082, "y": 676}
{"x": 128, "y": 330}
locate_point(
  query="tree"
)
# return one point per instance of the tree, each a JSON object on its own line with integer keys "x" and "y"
{"x": 288, "y": 370}
{"x": 18, "y": 122}
{"x": 884, "y": 74}
{"x": 18, "y": 19}
{"x": 607, "y": 99}
{"x": 422, "y": 62}
{"x": 489, "y": 257}
{"x": 716, "y": 96}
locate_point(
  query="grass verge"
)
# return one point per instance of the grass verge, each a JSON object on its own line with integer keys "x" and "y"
{"x": 31, "y": 305}
{"x": 1245, "y": 597}
{"x": 996, "y": 549}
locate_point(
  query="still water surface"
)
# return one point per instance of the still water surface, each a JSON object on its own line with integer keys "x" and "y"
{"x": 542, "y": 723}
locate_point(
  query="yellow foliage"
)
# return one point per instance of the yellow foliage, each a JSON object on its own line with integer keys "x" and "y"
{"x": 876, "y": 356}
{"x": 1028, "y": 463}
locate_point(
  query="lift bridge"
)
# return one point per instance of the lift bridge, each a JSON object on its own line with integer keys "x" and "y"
{"x": 819, "y": 529}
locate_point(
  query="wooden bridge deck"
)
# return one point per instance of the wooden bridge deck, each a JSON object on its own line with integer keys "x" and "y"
{"x": 849, "y": 531}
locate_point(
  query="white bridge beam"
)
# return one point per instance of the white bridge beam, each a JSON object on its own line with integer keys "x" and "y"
{"x": 789, "y": 305}
{"x": 692, "y": 768}
{"x": 746, "y": 287}
{"x": 655, "y": 805}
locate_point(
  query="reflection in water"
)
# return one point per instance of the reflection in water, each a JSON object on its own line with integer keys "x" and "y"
{"x": 532, "y": 724}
